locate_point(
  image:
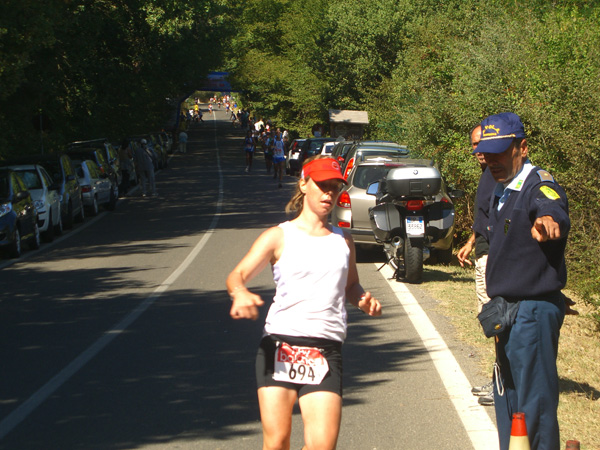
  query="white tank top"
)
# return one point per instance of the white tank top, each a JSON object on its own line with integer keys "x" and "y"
{"x": 311, "y": 277}
{"x": 278, "y": 150}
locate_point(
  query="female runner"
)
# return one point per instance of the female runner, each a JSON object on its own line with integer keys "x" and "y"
{"x": 314, "y": 269}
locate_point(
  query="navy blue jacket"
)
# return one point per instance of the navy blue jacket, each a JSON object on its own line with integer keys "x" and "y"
{"x": 518, "y": 266}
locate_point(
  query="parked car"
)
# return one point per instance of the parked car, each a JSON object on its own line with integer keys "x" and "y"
{"x": 45, "y": 197}
{"x": 108, "y": 150}
{"x": 310, "y": 147}
{"x": 361, "y": 150}
{"x": 61, "y": 170}
{"x": 351, "y": 209}
{"x": 18, "y": 217}
{"x": 340, "y": 149}
{"x": 96, "y": 188}
{"x": 161, "y": 149}
{"x": 167, "y": 140}
{"x": 327, "y": 148}
{"x": 159, "y": 154}
{"x": 96, "y": 155}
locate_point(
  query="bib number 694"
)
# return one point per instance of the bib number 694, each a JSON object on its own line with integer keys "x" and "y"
{"x": 300, "y": 365}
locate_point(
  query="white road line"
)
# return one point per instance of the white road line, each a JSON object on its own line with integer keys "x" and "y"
{"x": 477, "y": 423}
{"x": 26, "y": 408}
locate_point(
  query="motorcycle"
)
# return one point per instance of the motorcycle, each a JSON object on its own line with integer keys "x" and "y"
{"x": 413, "y": 217}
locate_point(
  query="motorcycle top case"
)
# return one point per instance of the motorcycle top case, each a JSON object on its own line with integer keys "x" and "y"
{"x": 413, "y": 181}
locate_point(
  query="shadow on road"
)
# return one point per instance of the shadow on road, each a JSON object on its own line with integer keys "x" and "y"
{"x": 184, "y": 371}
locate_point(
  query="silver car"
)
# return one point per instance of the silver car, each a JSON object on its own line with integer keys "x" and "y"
{"x": 96, "y": 188}
{"x": 351, "y": 209}
{"x": 45, "y": 197}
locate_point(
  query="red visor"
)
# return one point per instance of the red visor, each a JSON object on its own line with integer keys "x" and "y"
{"x": 323, "y": 169}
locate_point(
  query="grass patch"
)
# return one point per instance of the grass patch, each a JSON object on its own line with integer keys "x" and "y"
{"x": 578, "y": 353}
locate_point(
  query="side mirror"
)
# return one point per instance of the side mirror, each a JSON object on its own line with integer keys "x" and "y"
{"x": 372, "y": 188}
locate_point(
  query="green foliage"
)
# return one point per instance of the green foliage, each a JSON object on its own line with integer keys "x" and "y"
{"x": 425, "y": 71}
{"x": 428, "y": 71}
{"x": 101, "y": 67}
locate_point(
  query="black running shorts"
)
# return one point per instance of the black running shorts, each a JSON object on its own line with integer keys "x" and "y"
{"x": 332, "y": 351}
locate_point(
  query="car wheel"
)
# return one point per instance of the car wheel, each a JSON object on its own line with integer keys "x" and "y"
{"x": 58, "y": 228}
{"x": 69, "y": 218}
{"x": 413, "y": 260}
{"x": 15, "y": 249}
{"x": 94, "y": 207}
{"x": 35, "y": 241}
{"x": 48, "y": 235}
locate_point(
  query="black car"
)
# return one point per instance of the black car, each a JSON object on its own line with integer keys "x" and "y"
{"x": 18, "y": 216}
{"x": 62, "y": 171}
{"x": 310, "y": 147}
{"x": 340, "y": 150}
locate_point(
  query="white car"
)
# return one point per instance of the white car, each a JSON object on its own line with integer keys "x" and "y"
{"x": 45, "y": 196}
{"x": 96, "y": 188}
{"x": 327, "y": 148}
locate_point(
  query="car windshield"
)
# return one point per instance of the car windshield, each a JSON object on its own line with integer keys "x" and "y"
{"x": 367, "y": 174}
{"x": 31, "y": 178}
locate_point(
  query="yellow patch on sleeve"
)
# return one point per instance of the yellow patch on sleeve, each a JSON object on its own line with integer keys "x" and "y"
{"x": 549, "y": 192}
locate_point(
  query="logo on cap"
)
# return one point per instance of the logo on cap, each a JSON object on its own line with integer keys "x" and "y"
{"x": 490, "y": 130}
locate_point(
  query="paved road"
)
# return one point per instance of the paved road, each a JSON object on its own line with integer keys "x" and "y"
{"x": 117, "y": 336}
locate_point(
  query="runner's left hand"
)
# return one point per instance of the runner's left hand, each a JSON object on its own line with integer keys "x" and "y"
{"x": 369, "y": 305}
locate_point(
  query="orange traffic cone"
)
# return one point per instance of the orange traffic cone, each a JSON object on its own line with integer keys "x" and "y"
{"x": 518, "y": 433}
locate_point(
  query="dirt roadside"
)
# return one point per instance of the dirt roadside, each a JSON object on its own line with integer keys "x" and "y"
{"x": 578, "y": 355}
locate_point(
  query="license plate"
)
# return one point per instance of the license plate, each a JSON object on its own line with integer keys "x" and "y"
{"x": 415, "y": 226}
{"x": 295, "y": 155}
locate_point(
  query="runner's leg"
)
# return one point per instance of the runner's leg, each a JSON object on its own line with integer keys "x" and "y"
{"x": 276, "y": 405}
{"x": 322, "y": 415}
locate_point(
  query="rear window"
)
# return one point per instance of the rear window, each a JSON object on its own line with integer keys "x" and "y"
{"x": 364, "y": 154}
{"x": 366, "y": 174}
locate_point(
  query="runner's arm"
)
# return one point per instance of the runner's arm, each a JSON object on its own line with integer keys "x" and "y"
{"x": 266, "y": 249}
{"x": 355, "y": 294}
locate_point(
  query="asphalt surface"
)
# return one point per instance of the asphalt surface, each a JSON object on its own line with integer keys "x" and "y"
{"x": 117, "y": 335}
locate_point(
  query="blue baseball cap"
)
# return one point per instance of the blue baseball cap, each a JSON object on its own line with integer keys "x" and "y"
{"x": 498, "y": 132}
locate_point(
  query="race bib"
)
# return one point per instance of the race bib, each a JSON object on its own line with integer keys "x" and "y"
{"x": 300, "y": 365}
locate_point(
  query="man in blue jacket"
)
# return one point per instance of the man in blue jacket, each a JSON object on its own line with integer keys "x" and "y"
{"x": 527, "y": 227}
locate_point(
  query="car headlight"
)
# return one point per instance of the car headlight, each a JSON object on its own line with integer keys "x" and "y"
{"x": 39, "y": 205}
{"x": 5, "y": 208}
